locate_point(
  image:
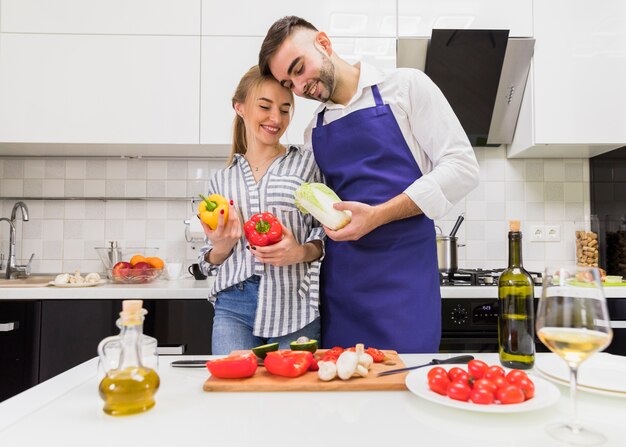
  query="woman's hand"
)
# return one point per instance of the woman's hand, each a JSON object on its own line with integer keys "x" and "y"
{"x": 225, "y": 236}
{"x": 286, "y": 252}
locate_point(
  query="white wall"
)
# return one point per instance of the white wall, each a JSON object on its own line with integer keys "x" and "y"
{"x": 62, "y": 233}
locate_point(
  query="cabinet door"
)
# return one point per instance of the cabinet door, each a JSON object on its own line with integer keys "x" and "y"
{"x": 99, "y": 89}
{"x": 220, "y": 79}
{"x": 181, "y": 17}
{"x": 373, "y": 18}
{"x": 71, "y": 331}
{"x": 579, "y": 69}
{"x": 419, "y": 17}
{"x": 19, "y": 350}
{"x": 181, "y": 322}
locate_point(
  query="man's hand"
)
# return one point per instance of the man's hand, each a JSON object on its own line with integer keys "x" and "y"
{"x": 361, "y": 223}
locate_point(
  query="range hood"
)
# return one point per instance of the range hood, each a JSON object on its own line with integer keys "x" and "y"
{"x": 482, "y": 73}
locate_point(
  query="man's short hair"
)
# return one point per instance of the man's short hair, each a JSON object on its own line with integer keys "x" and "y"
{"x": 276, "y": 35}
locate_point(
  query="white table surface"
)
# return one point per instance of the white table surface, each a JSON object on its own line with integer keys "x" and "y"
{"x": 66, "y": 410}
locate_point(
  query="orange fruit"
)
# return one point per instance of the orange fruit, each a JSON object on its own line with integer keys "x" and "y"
{"x": 155, "y": 262}
{"x": 136, "y": 259}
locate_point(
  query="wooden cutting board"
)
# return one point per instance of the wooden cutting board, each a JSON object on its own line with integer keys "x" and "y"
{"x": 264, "y": 381}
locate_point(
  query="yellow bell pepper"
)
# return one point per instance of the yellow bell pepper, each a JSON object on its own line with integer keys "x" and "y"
{"x": 210, "y": 208}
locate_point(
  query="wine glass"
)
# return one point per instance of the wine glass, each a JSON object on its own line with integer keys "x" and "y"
{"x": 573, "y": 322}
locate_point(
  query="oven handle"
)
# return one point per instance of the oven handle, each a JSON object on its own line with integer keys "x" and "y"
{"x": 615, "y": 324}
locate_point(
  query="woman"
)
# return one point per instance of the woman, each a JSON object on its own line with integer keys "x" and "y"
{"x": 263, "y": 294}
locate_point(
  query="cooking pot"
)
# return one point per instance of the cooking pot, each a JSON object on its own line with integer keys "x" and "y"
{"x": 447, "y": 250}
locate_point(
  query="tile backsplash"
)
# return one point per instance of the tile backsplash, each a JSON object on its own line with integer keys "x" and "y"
{"x": 63, "y": 230}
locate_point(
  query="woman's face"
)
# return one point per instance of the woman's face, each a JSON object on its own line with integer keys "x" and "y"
{"x": 266, "y": 113}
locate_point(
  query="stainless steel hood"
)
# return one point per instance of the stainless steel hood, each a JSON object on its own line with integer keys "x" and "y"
{"x": 503, "y": 107}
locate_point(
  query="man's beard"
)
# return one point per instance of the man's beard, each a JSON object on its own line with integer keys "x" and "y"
{"x": 327, "y": 80}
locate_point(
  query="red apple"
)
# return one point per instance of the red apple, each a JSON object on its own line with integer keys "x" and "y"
{"x": 121, "y": 269}
{"x": 140, "y": 271}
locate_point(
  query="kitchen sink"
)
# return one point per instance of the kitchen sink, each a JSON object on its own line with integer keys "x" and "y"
{"x": 31, "y": 281}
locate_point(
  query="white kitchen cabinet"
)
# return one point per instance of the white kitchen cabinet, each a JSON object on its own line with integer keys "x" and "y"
{"x": 371, "y": 18}
{"x": 219, "y": 80}
{"x": 99, "y": 89}
{"x": 419, "y": 17}
{"x": 172, "y": 17}
{"x": 574, "y": 100}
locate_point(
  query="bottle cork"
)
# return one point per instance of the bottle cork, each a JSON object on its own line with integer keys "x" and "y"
{"x": 514, "y": 226}
{"x": 131, "y": 305}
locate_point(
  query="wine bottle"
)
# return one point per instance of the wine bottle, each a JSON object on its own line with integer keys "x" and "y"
{"x": 516, "y": 325}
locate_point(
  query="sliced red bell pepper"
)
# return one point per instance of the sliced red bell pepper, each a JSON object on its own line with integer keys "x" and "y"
{"x": 263, "y": 229}
{"x": 233, "y": 366}
{"x": 288, "y": 363}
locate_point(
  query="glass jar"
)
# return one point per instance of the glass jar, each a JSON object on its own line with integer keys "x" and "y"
{"x": 588, "y": 243}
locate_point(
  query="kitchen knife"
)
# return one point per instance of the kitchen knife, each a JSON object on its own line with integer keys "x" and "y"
{"x": 189, "y": 363}
{"x": 461, "y": 359}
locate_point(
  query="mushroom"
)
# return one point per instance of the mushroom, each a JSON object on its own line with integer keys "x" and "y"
{"x": 348, "y": 365}
{"x": 365, "y": 359}
{"x": 92, "y": 278}
{"x": 327, "y": 371}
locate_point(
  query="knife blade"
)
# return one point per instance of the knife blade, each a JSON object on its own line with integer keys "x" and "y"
{"x": 188, "y": 363}
{"x": 460, "y": 359}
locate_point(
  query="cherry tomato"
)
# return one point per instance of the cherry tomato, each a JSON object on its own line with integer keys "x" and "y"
{"x": 454, "y": 372}
{"x": 493, "y": 372}
{"x": 514, "y": 375}
{"x": 510, "y": 394}
{"x": 481, "y": 396}
{"x": 459, "y": 391}
{"x": 477, "y": 368}
{"x": 436, "y": 370}
{"x": 462, "y": 377}
{"x": 527, "y": 386}
{"x": 485, "y": 384}
{"x": 439, "y": 383}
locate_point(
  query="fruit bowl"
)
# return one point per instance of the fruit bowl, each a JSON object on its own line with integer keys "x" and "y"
{"x": 134, "y": 276}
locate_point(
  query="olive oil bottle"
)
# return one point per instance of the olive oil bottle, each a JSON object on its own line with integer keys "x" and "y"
{"x": 128, "y": 387}
{"x": 516, "y": 325}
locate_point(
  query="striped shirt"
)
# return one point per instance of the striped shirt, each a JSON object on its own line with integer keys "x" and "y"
{"x": 288, "y": 295}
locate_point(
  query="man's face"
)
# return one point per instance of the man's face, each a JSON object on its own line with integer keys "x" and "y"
{"x": 302, "y": 65}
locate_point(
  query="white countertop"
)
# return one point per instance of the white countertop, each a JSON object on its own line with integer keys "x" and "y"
{"x": 189, "y": 288}
{"x": 66, "y": 410}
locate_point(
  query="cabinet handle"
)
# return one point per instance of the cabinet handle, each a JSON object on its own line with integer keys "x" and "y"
{"x": 10, "y": 326}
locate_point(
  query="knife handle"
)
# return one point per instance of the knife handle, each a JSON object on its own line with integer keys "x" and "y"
{"x": 462, "y": 359}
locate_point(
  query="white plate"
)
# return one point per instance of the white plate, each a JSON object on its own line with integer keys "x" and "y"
{"x": 546, "y": 394}
{"x": 80, "y": 284}
{"x": 602, "y": 373}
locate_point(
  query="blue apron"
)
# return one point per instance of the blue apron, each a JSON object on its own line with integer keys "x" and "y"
{"x": 382, "y": 290}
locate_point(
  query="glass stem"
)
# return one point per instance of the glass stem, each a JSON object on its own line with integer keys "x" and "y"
{"x": 573, "y": 385}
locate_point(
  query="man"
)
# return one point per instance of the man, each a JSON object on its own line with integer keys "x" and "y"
{"x": 391, "y": 147}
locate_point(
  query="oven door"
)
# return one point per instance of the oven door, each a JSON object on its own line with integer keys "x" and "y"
{"x": 468, "y": 342}
{"x": 469, "y": 325}
{"x": 617, "y": 313}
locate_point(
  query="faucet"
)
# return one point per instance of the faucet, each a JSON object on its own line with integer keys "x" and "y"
{"x": 14, "y": 270}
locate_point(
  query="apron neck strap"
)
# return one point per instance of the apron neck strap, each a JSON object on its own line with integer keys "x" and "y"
{"x": 320, "y": 118}
{"x": 377, "y": 97}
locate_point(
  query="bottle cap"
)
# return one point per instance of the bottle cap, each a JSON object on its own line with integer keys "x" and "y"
{"x": 131, "y": 305}
{"x": 514, "y": 225}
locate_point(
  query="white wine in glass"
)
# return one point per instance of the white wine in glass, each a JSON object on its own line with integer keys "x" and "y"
{"x": 573, "y": 322}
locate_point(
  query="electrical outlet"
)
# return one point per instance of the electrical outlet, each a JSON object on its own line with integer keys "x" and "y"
{"x": 537, "y": 233}
{"x": 553, "y": 233}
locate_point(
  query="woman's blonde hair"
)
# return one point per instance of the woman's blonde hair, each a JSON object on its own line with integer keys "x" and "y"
{"x": 250, "y": 82}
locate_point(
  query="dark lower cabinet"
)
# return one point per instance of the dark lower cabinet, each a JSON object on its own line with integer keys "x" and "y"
{"x": 40, "y": 339}
{"x": 19, "y": 346}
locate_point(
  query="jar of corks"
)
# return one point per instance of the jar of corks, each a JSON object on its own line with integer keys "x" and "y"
{"x": 587, "y": 243}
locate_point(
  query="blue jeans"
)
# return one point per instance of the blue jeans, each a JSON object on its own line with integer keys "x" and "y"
{"x": 233, "y": 323}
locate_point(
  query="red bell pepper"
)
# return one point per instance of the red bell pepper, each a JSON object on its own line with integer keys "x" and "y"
{"x": 288, "y": 363}
{"x": 263, "y": 229}
{"x": 233, "y": 366}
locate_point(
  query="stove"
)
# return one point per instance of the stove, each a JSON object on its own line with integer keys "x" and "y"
{"x": 477, "y": 277}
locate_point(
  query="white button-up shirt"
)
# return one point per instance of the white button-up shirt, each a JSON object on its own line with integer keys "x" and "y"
{"x": 430, "y": 128}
